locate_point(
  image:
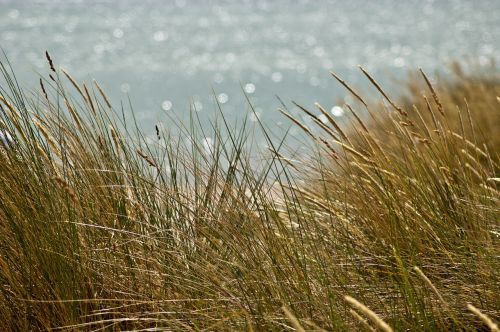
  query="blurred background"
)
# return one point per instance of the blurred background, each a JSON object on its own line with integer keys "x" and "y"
{"x": 168, "y": 55}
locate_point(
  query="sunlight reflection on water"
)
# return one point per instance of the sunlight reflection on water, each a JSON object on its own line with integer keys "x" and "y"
{"x": 167, "y": 54}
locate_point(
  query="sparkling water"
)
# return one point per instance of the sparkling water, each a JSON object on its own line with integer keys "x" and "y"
{"x": 170, "y": 56}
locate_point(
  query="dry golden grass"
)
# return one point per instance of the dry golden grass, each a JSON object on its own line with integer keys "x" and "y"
{"x": 101, "y": 231}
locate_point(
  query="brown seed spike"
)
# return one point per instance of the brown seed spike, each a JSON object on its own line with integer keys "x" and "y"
{"x": 88, "y": 99}
{"x": 73, "y": 82}
{"x": 298, "y": 123}
{"x": 372, "y": 80}
{"x": 434, "y": 94}
{"x": 369, "y": 314}
{"x": 485, "y": 318}
{"x": 341, "y": 81}
{"x": 316, "y": 120}
{"x": 101, "y": 91}
{"x": 149, "y": 160}
{"x": 51, "y": 63}
{"x": 331, "y": 120}
{"x": 157, "y": 132}
{"x": 71, "y": 193}
{"x": 43, "y": 89}
{"x": 357, "y": 118}
{"x": 74, "y": 115}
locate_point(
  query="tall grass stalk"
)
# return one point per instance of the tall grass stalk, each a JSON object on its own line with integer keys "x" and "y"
{"x": 102, "y": 228}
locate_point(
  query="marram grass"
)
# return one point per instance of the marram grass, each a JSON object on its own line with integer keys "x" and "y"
{"x": 390, "y": 223}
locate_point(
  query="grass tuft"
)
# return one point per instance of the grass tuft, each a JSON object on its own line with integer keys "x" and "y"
{"x": 104, "y": 228}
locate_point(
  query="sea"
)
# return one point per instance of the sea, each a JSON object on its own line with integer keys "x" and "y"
{"x": 166, "y": 60}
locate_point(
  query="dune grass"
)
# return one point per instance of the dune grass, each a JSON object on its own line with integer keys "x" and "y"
{"x": 390, "y": 223}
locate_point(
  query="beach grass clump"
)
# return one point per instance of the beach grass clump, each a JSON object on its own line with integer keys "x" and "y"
{"x": 389, "y": 223}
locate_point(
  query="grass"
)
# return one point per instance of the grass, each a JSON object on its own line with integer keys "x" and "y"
{"x": 390, "y": 223}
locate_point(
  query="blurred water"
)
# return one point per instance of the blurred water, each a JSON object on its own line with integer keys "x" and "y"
{"x": 168, "y": 54}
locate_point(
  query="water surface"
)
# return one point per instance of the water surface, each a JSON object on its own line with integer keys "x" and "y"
{"x": 168, "y": 55}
